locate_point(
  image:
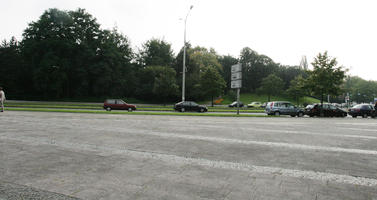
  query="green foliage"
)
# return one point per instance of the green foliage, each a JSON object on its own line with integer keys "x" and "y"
{"x": 325, "y": 78}
{"x": 272, "y": 85}
{"x": 360, "y": 90}
{"x": 156, "y": 52}
{"x": 66, "y": 55}
{"x": 227, "y": 62}
{"x": 212, "y": 83}
{"x": 157, "y": 82}
{"x": 297, "y": 88}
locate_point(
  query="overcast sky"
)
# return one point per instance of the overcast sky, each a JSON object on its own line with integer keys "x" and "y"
{"x": 284, "y": 30}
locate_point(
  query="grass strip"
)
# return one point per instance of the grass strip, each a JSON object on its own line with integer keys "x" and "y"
{"x": 132, "y": 113}
{"x": 140, "y": 108}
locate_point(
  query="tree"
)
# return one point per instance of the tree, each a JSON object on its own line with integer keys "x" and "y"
{"x": 164, "y": 83}
{"x": 198, "y": 60}
{"x": 68, "y": 55}
{"x": 326, "y": 77}
{"x": 227, "y": 62}
{"x": 297, "y": 88}
{"x": 156, "y": 52}
{"x": 157, "y": 82}
{"x": 12, "y": 78}
{"x": 255, "y": 67}
{"x": 212, "y": 83}
{"x": 272, "y": 85}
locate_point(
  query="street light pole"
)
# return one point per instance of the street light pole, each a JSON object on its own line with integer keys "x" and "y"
{"x": 184, "y": 59}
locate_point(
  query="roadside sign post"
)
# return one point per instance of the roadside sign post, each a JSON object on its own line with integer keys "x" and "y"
{"x": 236, "y": 77}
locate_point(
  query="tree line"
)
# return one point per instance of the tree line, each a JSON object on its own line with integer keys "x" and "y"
{"x": 66, "y": 55}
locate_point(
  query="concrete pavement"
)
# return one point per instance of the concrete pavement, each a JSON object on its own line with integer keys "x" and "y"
{"x": 91, "y": 156}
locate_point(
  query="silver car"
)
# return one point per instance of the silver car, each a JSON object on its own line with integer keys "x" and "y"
{"x": 278, "y": 108}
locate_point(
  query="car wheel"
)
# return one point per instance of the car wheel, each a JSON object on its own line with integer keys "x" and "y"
{"x": 202, "y": 110}
{"x": 300, "y": 114}
{"x": 182, "y": 109}
{"x": 129, "y": 109}
{"x": 322, "y": 114}
{"x": 108, "y": 109}
{"x": 344, "y": 114}
{"x": 354, "y": 116}
{"x": 293, "y": 115}
{"x": 277, "y": 113}
{"x": 365, "y": 115}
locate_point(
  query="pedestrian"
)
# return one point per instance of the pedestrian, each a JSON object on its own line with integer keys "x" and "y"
{"x": 2, "y": 99}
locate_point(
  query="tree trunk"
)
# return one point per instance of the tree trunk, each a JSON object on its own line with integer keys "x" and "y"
{"x": 212, "y": 101}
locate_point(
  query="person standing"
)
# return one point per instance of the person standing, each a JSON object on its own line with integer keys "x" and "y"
{"x": 2, "y": 99}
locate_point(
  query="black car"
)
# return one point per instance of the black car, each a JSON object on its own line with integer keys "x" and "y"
{"x": 325, "y": 110}
{"x": 363, "y": 110}
{"x": 234, "y": 104}
{"x": 189, "y": 106}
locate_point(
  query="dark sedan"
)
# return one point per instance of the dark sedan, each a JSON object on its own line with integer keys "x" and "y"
{"x": 326, "y": 110}
{"x": 189, "y": 106}
{"x": 363, "y": 110}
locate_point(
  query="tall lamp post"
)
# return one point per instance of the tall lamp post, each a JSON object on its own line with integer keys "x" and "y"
{"x": 184, "y": 58}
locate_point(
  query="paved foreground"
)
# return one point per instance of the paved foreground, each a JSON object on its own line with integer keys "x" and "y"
{"x": 92, "y": 156}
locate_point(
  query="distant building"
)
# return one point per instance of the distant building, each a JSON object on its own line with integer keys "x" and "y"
{"x": 304, "y": 63}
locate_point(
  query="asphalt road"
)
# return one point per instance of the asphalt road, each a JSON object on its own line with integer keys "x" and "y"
{"x": 96, "y": 156}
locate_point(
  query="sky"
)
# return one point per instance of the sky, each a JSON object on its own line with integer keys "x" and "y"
{"x": 284, "y": 30}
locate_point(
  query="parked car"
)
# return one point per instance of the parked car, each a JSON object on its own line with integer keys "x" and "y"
{"x": 234, "y": 104}
{"x": 189, "y": 106}
{"x": 325, "y": 110}
{"x": 264, "y": 105}
{"x": 117, "y": 104}
{"x": 254, "y": 104}
{"x": 363, "y": 110}
{"x": 278, "y": 108}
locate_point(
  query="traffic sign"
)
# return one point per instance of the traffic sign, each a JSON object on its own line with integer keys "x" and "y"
{"x": 236, "y": 68}
{"x": 236, "y": 76}
{"x": 236, "y": 84}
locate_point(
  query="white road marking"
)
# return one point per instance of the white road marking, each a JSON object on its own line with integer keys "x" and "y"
{"x": 251, "y": 142}
{"x": 180, "y": 160}
{"x": 361, "y": 129}
{"x": 313, "y": 133}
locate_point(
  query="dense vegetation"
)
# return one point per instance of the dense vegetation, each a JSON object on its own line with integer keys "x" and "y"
{"x": 65, "y": 55}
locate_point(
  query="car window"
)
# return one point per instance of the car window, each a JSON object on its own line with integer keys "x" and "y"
{"x": 365, "y": 107}
{"x": 194, "y": 104}
{"x": 357, "y": 106}
{"x": 286, "y": 105}
{"x": 186, "y": 103}
{"x": 110, "y": 101}
{"x": 120, "y": 102}
{"x": 332, "y": 107}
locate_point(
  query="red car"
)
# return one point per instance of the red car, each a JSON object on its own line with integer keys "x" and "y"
{"x": 117, "y": 104}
